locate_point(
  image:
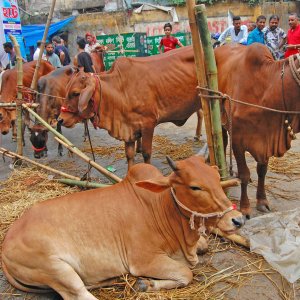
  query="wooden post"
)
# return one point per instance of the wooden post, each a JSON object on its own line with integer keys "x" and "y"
{"x": 201, "y": 76}
{"x": 38, "y": 63}
{"x": 212, "y": 76}
{"x": 19, "y": 94}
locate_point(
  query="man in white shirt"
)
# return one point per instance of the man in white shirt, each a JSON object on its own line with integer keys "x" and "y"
{"x": 37, "y": 51}
{"x": 91, "y": 44}
{"x": 236, "y": 33}
{"x": 4, "y": 59}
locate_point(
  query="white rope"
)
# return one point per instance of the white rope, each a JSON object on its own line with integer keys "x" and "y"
{"x": 194, "y": 214}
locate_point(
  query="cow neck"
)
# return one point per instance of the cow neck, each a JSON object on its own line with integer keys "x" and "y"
{"x": 96, "y": 104}
{"x": 194, "y": 214}
{"x": 288, "y": 119}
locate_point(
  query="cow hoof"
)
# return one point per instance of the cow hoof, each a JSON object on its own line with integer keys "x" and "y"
{"x": 197, "y": 138}
{"x": 142, "y": 285}
{"x": 202, "y": 246}
{"x": 246, "y": 211}
{"x": 60, "y": 153}
{"x": 14, "y": 139}
{"x": 263, "y": 208}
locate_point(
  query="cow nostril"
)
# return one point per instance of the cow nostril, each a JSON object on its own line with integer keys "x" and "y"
{"x": 60, "y": 121}
{"x": 238, "y": 222}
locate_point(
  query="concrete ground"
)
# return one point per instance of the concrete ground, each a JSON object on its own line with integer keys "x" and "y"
{"x": 282, "y": 189}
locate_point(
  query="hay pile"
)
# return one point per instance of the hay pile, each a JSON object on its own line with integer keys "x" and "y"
{"x": 288, "y": 164}
{"x": 28, "y": 186}
{"x": 22, "y": 189}
{"x": 162, "y": 146}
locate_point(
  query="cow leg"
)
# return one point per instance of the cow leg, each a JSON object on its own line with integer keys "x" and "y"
{"x": 169, "y": 274}
{"x": 262, "y": 202}
{"x": 14, "y": 130}
{"x": 199, "y": 125}
{"x": 147, "y": 138}
{"x": 139, "y": 145}
{"x": 61, "y": 277}
{"x": 130, "y": 153}
{"x": 244, "y": 175}
{"x": 60, "y": 147}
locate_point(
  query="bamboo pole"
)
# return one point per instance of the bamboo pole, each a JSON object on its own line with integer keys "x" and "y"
{"x": 75, "y": 150}
{"x": 13, "y": 105}
{"x": 201, "y": 76}
{"x": 236, "y": 238}
{"x": 231, "y": 182}
{"x": 42, "y": 47}
{"x": 212, "y": 76}
{"x": 10, "y": 154}
{"x": 19, "y": 94}
{"x": 114, "y": 177}
{"x": 84, "y": 184}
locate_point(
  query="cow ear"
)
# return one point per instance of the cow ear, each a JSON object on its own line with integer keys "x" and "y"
{"x": 86, "y": 95}
{"x": 155, "y": 185}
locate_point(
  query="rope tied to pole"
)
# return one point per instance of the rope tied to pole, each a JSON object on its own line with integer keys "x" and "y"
{"x": 221, "y": 96}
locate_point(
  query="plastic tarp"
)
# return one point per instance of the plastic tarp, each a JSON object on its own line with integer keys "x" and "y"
{"x": 148, "y": 6}
{"x": 276, "y": 237}
{"x": 33, "y": 33}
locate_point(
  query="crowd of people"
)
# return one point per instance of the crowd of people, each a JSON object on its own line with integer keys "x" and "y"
{"x": 56, "y": 53}
{"x": 281, "y": 44}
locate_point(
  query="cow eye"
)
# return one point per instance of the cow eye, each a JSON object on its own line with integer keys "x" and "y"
{"x": 195, "y": 188}
{"x": 76, "y": 94}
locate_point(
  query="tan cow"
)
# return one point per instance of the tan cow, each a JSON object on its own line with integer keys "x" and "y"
{"x": 147, "y": 225}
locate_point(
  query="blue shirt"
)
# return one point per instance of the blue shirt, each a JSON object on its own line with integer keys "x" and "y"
{"x": 256, "y": 36}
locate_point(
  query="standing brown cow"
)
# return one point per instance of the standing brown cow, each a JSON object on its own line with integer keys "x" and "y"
{"x": 147, "y": 225}
{"x": 250, "y": 74}
{"x": 133, "y": 97}
{"x": 52, "y": 90}
{"x": 9, "y": 91}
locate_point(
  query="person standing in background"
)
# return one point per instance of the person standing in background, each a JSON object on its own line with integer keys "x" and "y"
{"x": 169, "y": 42}
{"x": 293, "y": 36}
{"x": 37, "y": 51}
{"x": 84, "y": 60}
{"x": 51, "y": 57}
{"x": 61, "y": 51}
{"x": 91, "y": 43}
{"x": 257, "y": 35}
{"x": 275, "y": 37}
{"x": 236, "y": 33}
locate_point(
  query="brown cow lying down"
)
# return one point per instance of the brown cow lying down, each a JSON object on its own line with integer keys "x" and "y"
{"x": 250, "y": 74}
{"x": 134, "y": 97}
{"x": 147, "y": 225}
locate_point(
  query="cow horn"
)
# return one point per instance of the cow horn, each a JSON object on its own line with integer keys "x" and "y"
{"x": 203, "y": 151}
{"x": 172, "y": 163}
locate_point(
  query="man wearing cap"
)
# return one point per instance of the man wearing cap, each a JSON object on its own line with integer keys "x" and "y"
{"x": 91, "y": 43}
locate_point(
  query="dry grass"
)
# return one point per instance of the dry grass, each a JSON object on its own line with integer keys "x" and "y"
{"x": 28, "y": 186}
{"x": 161, "y": 146}
{"x": 289, "y": 164}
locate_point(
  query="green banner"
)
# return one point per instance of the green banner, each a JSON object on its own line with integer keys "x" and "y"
{"x": 134, "y": 45}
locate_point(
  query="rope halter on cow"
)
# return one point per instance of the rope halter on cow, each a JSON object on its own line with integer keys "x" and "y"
{"x": 295, "y": 71}
{"x": 202, "y": 216}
